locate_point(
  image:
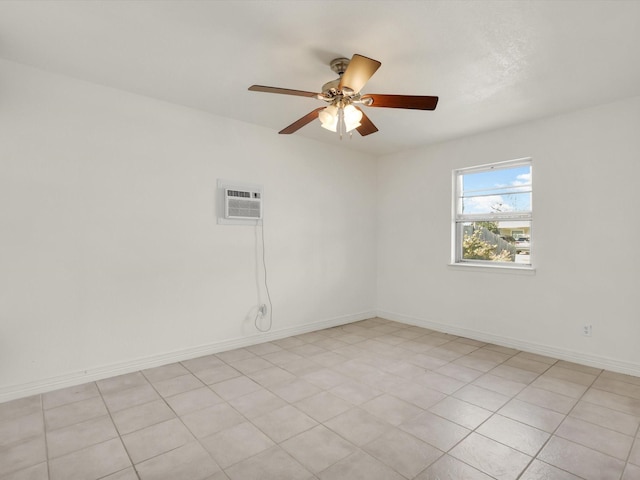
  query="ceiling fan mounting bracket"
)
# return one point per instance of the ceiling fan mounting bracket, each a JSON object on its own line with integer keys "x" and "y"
{"x": 339, "y": 65}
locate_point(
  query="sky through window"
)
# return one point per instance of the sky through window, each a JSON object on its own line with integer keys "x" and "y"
{"x": 497, "y": 190}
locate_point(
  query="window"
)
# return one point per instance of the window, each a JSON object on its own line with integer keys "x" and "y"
{"x": 492, "y": 214}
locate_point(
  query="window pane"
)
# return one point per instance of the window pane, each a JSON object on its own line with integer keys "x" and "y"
{"x": 497, "y": 190}
{"x": 497, "y": 203}
{"x": 501, "y": 241}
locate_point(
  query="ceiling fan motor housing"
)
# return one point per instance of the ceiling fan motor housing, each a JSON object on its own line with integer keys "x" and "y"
{"x": 331, "y": 89}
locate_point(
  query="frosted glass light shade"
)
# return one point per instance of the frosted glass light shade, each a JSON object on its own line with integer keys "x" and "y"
{"x": 329, "y": 118}
{"x": 352, "y": 117}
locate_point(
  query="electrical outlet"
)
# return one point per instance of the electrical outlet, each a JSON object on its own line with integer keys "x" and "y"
{"x": 586, "y": 330}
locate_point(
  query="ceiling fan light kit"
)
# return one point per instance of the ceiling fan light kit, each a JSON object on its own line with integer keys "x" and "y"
{"x": 340, "y": 118}
{"x": 343, "y": 94}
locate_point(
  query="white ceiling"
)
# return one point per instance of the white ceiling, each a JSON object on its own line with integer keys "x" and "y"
{"x": 492, "y": 63}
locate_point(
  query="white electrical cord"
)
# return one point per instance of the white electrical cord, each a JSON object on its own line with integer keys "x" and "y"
{"x": 260, "y": 313}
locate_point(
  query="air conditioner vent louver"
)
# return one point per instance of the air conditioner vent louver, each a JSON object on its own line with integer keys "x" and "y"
{"x": 237, "y": 193}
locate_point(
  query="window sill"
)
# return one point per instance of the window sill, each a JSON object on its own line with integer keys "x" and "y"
{"x": 514, "y": 270}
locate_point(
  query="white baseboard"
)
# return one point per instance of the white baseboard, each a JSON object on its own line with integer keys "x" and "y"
{"x": 596, "y": 361}
{"x": 13, "y": 392}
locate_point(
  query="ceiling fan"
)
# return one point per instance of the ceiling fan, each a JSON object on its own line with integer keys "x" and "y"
{"x": 343, "y": 95}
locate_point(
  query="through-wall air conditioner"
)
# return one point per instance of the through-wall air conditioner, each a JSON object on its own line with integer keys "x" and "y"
{"x": 242, "y": 204}
{"x": 239, "y": 203}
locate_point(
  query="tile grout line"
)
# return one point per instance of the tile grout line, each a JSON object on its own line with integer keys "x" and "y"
{"x": 248, "y": 420}
{"x": 177, "y": 417}
{"x": 495, "y": 413}
{"x": 636, "y": 441}
{"x": 108, "y": 413}
{"x": 225, "y": 402}
{"x": 535, "y": 457}
{"x": 319, "y": 423}
{"x": 170, "y": 408}
{"x": 358, "y": 448}
{"x": 135, "y": 470}
{"x": 278, "y": 444}
{"x": 451, "y": 395}
{"x": 46, "y": 442}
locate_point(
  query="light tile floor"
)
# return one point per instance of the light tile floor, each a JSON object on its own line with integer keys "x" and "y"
{"x": 370, "y": 400}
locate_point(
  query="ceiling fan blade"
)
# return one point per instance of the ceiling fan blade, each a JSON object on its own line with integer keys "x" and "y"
{"x": 359, "y": 71}
{"x": 284, "y": 91}
{"x": 298, "y": 124}
{"x": 415, "y": 102}
{"x": 366, "y": 126}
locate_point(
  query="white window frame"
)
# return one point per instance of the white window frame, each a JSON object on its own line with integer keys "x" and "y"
{"x": 458, "y": 218}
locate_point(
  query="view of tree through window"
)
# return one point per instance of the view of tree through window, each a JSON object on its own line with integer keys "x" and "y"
{"x": 493, "y": 213}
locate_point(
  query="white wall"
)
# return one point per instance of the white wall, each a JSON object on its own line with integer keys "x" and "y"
{"x": 110, "y": 256}
{"x": 586, "y": 167}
